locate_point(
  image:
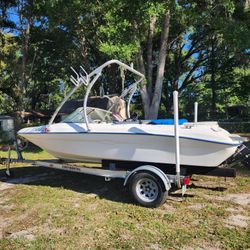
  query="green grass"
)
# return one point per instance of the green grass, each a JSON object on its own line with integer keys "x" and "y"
{"x": 72, "y": 211}
{"x": 32, "y": 153}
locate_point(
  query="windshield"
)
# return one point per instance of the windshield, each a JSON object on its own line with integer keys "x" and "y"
{"x": 94, "y": 115}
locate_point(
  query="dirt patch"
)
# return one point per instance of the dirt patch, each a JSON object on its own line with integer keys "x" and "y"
{"x": 4, "y": 223}
{"x": 28, "y": 233}
{"x": 46, "y": 229}
{"x": 6, "y": 208}
{"x": 237, "y": 221}
{"x": 12, "y": 225}
{"x": 235, "y": 210}
{"x": 168, "y": 208}
{"x": 204, "y": 245}
{"x": 5, "y": 186}
{"x": 24, "y": 233}
{"x": 155, "y": 247}
{"x": 240, "y": 199}
{"x": 197, "y": 206}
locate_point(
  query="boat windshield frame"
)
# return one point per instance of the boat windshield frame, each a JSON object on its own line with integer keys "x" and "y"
{"x": 89, "y": 80}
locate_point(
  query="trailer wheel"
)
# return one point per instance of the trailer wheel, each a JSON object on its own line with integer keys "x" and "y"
{"x": 147, "y": 190}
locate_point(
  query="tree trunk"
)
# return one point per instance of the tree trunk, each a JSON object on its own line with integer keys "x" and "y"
{"x": 25, "y": 34}
{"x": 213, "y": 81}
{"x": 151, "y": 93}
{"x": 150, "y": 56}
{"x": 25, "y": 46}
{"x": 154, "y": 107}
{"x": 143, "y": 90}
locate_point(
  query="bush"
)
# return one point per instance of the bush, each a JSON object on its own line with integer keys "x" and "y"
{"x": 236, "y": 127}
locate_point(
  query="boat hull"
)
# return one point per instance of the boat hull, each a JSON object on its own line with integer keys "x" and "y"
{"x": 95, "y": 147}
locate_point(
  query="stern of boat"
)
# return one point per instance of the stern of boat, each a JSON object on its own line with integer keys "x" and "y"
{"x": 241, "y": 155}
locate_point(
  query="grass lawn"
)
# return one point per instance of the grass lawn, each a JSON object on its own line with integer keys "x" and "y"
{"x": 50, "y": 209}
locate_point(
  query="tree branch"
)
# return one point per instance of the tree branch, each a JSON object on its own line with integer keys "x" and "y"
{"x": 196, "y": 65}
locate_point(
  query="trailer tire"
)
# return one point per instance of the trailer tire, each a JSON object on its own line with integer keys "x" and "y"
{"x": 147, "y": 189}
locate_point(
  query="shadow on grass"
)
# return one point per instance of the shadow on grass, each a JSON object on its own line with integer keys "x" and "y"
{"x": 179, "y": 195}
{"x": 218, "y": 189}
{"x": 243, "y": 170}
{"x": 82, "y": 183}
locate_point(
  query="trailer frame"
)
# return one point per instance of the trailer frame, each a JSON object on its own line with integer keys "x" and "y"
{"x": 155, "y": 176}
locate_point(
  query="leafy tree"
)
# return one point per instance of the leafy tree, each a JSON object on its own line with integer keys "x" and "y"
{"x": 8, "y": 72}
{"x": 196, "y": 47}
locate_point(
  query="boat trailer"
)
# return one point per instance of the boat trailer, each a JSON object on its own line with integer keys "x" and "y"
{"x": 148, "y": 183}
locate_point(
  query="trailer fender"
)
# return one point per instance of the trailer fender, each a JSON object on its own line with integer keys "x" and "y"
{"x": 152, "y": 169}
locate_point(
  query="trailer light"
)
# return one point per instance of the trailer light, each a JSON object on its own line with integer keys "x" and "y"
{"x": 186, "y": 180}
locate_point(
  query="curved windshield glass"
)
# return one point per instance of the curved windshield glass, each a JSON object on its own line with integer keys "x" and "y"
{"x": 94, "y": 115}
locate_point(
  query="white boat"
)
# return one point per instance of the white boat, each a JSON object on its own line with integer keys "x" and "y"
{"x": 93, "y": 134}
